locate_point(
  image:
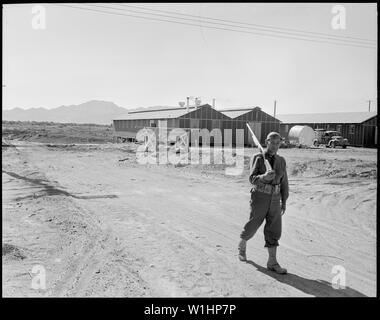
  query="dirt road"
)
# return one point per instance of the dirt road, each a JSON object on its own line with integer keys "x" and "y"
{"x": 104, "y": 227}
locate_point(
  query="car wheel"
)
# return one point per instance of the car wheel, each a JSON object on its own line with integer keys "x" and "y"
{"x": 333, "y": 145}
{"x": 344, "y": 147}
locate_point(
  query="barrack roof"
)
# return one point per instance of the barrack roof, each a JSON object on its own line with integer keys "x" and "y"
{"x": 335, "y": 117}
{"x": 237, "y": 112}
{"x": 155, "y": 113}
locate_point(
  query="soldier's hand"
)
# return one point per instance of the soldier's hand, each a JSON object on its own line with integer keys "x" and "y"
{"x": 269, "y": 175}
{"x": 283, "y": 208}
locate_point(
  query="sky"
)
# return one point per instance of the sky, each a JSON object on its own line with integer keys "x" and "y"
{"x": 84, "y": 55}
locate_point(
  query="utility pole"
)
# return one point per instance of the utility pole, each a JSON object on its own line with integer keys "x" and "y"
{"x": 369, "y": 105}
{"x": 274, "y": 113}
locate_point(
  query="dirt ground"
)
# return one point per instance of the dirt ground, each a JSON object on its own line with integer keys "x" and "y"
{"x": 101, "y": 224}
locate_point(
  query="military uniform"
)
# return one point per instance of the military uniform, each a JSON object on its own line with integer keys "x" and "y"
{"x": 266, "y": 199}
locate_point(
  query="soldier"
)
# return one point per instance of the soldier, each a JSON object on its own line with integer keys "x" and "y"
{"x": 268, "y": 200}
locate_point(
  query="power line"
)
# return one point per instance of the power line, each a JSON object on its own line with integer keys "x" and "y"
{"x": 237, "y": 26}
{"x": 251, "y": 24}
{"x": 212, "y": 27}
{"x": 334, "y": 37}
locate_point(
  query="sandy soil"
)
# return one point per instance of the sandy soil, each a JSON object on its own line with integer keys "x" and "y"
{"x": 103, "y": 225}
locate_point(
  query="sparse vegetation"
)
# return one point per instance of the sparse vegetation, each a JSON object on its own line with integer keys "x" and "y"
{"x": 51, "y": 132}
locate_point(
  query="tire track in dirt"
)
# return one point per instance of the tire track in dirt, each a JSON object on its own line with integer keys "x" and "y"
{"x": 75, "y": 228}
{"x": 200, "y": 253}
{"x": 175, "y": 252}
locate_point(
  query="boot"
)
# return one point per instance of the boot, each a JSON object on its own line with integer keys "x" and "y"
{"x": 272, "y": 264}
{"x": 242, "y": 250}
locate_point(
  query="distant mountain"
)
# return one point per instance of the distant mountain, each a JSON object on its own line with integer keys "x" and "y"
{"x": 98, "y": 112}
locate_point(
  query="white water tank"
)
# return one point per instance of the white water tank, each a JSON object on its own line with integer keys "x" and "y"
{"x": 301, "y": 136}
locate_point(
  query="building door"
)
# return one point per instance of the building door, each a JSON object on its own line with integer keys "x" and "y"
{"x": 256, "y": 128}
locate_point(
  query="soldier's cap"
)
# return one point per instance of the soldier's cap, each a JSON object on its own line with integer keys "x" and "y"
{"x": 273, "y": 135}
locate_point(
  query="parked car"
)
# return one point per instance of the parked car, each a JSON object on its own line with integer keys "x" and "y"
{"x": 285, "y": 144}
{"x": 330, "y": 139}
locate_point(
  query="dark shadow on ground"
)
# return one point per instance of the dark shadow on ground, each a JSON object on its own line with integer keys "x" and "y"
{"x": 49, "y": 190}
{"x": 317, "y": 288}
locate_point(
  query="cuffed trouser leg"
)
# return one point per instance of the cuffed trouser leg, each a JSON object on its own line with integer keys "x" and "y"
{"x": 268, "y": 207}
{"x": 260, "y": 204}
{"x": 273, "y": 225}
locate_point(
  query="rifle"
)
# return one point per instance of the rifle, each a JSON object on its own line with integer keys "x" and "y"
{"x": 257, "y": 143}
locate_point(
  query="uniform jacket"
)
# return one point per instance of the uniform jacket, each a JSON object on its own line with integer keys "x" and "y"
{"x": 257, "y": 169}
